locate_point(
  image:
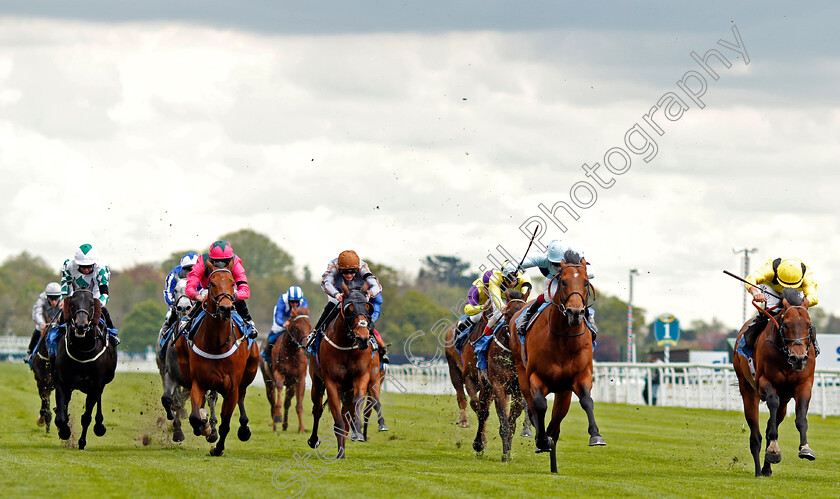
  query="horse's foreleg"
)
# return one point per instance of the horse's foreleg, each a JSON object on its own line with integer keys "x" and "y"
{"x": 229, "y": 402}
{"x": 772, "y": 454}
{"x": 501, "y": 401}
{"x": 270, "y": 396}
{"x": 803, "y": 399}
{"x": 291, "y": 391}
{"x": 317, "y": 395}
{"x": 62, "y": 402}
{"x": 90, "y": 402}
{"x": 457, "y": 378}
{"x": 197, "y": 422}
{"x": 562, "y": 401}
{"x": 45, "y": 413}
{"x": 539, "y": 405}
{"x": 244, "y": 433}
{"x": 212, "y": 398}
{"x": 166, "y": 400}
{"x": 588, "y": 405}
{"x": 98, "y": 426}
{"x": 300, "y": 387}
{"x": 178, "y": 413}
{"x": 516, "y": 408}
{"x": 358, "y": 401}
{"x": 277, "y": 404}
{"x": 339, "y": 427}
{"x": 750, "y": 399}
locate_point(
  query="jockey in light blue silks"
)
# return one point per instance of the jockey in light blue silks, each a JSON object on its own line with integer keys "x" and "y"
{"x": 287, "y": 301}
{"x": 179, "y": 272}
{"x": 86, "y": 270}
{"x": 549, "y": 264}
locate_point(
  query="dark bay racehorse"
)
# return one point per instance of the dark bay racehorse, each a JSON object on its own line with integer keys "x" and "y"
{"x": 42, "y": 369}
{"x": 174, "y": 383}
{"x": 219, "y": 359}
{"x": 288, "y": 368}
{"x": 784, "y": 369}
{"x": 559, "y": 356}
{"x": 85, "y": 360}
{"x": 345, "y": 368}
{"x": 456, "y": 376}
{"x": 475, "y": 381}
{"x": 501, "y": 373}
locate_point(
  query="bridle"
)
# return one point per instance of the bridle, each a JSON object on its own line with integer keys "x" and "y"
{"x": 86, "y": 329}
{"x": 782, "y": 325}
{"x": 293, "y": 328}
{"x": 358, "y": 342}
{"x": 562, "y": 306}
{"x": 217, "y": 298}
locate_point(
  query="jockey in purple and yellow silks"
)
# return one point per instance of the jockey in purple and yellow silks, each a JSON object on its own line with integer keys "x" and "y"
{"x": 487, "y": 290}
{"x": 777, "y": 274}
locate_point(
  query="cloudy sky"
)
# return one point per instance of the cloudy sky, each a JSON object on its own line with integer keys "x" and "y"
{"x": 403, "y": 130}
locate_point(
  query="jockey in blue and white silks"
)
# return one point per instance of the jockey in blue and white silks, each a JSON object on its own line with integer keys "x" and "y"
{"x": 282, "y": 310}
{"x": 178, "y": 272}
{"x": 549, "y": 264}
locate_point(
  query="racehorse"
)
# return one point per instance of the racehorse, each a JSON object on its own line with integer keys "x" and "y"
{"x": 42, "y": 370}
{"x": 343, "y": 368}
{"x": 559, "y": 356}
{"x": 784, "y": 369}
{"x": 501, "y": 373}
{"x": 476, "y": 380}
{"x": 218, "y": 360}
{"x": 170, "y": 373}
{"x": 85, "y": 360}
{"x": 288, "y": 368}
{"x": 456, "y": 376}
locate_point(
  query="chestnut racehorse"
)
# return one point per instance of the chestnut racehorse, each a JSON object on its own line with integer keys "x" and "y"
{"x": 288, "y": 368}
{"x": 559, "y": 356}
{"x": 456, "y": 376}
{"x": 85, "y": 360}
{"x": 219, "y": 359}
{"x": 784, "y": 370}
{"x": 345, "y": 368}
{"x": 501, "y": 372}
{"x": 475, "y": 381}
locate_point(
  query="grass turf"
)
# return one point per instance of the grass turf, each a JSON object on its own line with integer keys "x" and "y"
{"x": 651, "y": 452}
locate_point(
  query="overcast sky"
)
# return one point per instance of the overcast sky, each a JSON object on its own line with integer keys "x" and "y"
{"x": 403, "y": 130}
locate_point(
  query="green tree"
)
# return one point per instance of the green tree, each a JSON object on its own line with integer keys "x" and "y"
{"x": 259, "y": 254}
{"x": 611, "y": 319}
{"x": 130, "y": 287}
{"x": 22, "y": 278}
{"x": 447, "y": 269}
{"x": 141, "y": 325}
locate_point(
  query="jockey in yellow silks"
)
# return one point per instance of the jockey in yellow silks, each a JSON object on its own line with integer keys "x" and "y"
{"x": 488, "y": 291}
{"x": 776, "y": 275}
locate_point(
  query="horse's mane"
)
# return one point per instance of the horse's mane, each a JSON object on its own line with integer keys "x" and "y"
{"x": 301, "y": 310}
{"x": 515, "y": 294}
{"x": 571, "y": 256}
{"x": 793, "y": 297}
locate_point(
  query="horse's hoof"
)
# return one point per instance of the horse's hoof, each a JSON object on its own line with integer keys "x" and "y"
{"x": 213, "y": 436}
{"x": 244, "y": 433}
{"x": 99, "y": 429}
{"x": 312, "y": 441}
{"x": 464, "y": 424}
{"x": 767, "y": 472}
{"x": 527, "y": 433}
{"x": 382, "y": 427}
{"x": 357, "y": 437}
{"x": 285, "y": 425}
{"x": 773, "y": 458}
{"x": 506, "y": 458}
{"x": 544, "y": 446}
{"x": 478, "y": 446}
{"x": 178, "y": 436}
{"x": 278, "y": 419}
{"x": 41, "y": 421}
{"x": 216, "y": 451}
{"x": 596, "y": 440}
{"x": 64, "y": 433}
{"x": 82, "y": 444}
{"x": 805, "y": 452}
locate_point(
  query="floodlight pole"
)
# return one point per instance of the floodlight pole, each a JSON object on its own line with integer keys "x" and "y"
{"x": 631, "y": 346}
{"x": 746, "y": 253}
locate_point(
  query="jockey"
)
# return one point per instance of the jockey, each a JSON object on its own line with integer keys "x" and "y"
{"x": 352, "y": 271}
{"x": 491, "y": 286}
{"x": 776, "y": 275}
{"x": 179, "y": 272}
{"x": 86, "y": 270}
{"x": 221, "y": 256}
{"x": 45, "y": 308}
{"x": 549, "y": 265}
{"x": 287, "y": 301}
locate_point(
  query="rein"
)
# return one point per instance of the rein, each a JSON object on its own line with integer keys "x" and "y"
{"x": 352, "y": 335}
{"x": 84, "y": 361}
{"x": 562, "y": 306}
{"x": 784, "y": 349}
{"x": 235, "y": 346}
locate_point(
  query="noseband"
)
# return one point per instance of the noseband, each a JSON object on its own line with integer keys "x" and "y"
{"x": 220, "y": 296}
{"x": 795, "y": 341}
{"x": 562, "y": 306}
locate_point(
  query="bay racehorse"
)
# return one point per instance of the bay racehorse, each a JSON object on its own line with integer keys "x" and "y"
{"x": 559, "y": 356}
{"x": 287, "y": 369}
{"x": 219, "y": 359}
{"x": 42, "y": 369}
{"x": 784, "y": 363}
{"x": 342, "y": 368}
{"x": 501, "y": 373}
{"x": 476, "y": 380}
{"x": 85, "y": 360}
{"x": 456, "y": 375}
{"x": 174, "y": 383}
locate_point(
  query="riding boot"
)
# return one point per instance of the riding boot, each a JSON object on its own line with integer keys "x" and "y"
{"x": 813, "y": 335}
{"x": 523, "y": 325}
{"x": 242, "y": 310}
{"x": 326, "y": 316}
{"x": 32, "y": 343}
{"x": 269, "y": 346}
{"x": 590, "y": 323}
{"x": 754, "y": 329}
{"x": 110, "y": 325}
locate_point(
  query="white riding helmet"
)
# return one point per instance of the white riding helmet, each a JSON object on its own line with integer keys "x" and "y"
{"x": 86, "y": 255}
{"x": 53, "y": 289}
{"x": 189, "y": 259}
{"x": 557, "y": 250}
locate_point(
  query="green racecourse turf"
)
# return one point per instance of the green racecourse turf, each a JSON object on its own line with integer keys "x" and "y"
{"x": 651, "y": 452}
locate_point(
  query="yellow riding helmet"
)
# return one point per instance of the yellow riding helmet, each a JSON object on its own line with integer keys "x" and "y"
{"x": 790, "y": 272}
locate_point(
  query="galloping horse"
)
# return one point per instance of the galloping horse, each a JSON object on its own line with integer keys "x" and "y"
{"x": 42, "y": 370}
{"x": 456, "y": 376}
{"x": 501, "y": 373}
{"x": 170, "y": 372}
{"x": 218, "y": 360}
{"x": 559, "y": 356}
{"x": 343, "y": 368}
{"x": 86, "y": 360}
{"x": 475, "y": 381}
{"x": 288, "y": 368}
{"x": 784, "y": 369}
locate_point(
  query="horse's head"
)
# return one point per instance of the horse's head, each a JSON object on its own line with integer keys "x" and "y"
{"x": 515, "y": 302}
{"x": 182, "y": 302}
{"x": 82, "y": 312}
{"x": 795, "y": 328}
{"x": 221, "y": 293}
{"x": 572, "y": 292}
{"x": 357, "y": 311}
{"x": 299, "y": 324}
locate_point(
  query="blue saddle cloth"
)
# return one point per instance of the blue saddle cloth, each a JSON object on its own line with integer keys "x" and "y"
{"x": 235, "y": 317}
{"x": 742, "y": 348}
{"x": 481, "y": 346}
{"x": 462, "y": 337}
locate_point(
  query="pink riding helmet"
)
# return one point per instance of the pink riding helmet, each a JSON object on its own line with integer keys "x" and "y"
{"x": 220, "y": 250}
